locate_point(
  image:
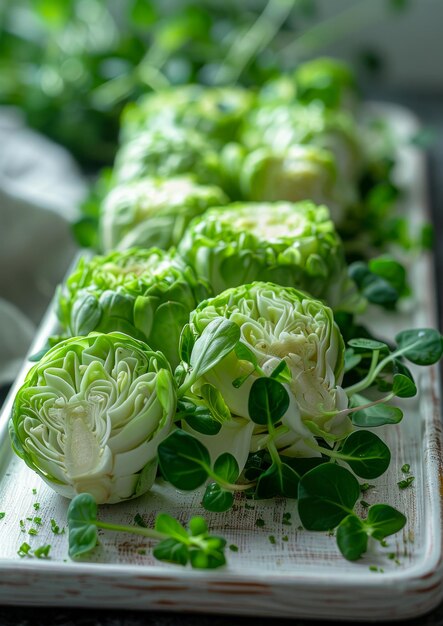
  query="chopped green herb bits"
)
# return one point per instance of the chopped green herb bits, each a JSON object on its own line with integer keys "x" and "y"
{"x": 365, "y": 487}
{"x": 407, "y": 482}
{"x": 42, "y": 552}
{"x": 56, "y": 528}
{"x": 138, "y": 519}
{"x": 287, "y": 519}
{"x": 24, "y": 550}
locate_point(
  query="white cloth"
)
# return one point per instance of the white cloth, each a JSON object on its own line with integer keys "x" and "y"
{"x": 40, "y": 191}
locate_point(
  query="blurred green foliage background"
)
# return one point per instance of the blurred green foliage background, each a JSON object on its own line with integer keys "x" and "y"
{"x": 72, "y": 64}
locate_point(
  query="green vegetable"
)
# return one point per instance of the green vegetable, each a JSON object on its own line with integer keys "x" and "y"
{"x": 276, "y": 324}
{"x": 295, "y": 174}
{"x": 177, "y": 545}
{"x": 91, "y": 414}
{"x": 328, "y": 81}
{"x": 381, "y": 281}
{"x": 294, "y": 245}
{"x": 147, "y": 294}
{"x": 153, "y": 212}
{"x": 422, "y": 346}
{"x": 327, "y": 497}
{"x": 282, "y": 125}
{"x": 167, "y": 152}
{"x": 216, "y": 112}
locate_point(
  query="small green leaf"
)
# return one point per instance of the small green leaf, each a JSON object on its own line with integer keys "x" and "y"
{"x": 211, "y": 556}
{"x": 367, "y": 344}
{"x": 352, "y": 538}
{"x": 172, "y": 551}
{"x": 282, "y": 373}
{"x": 183, "y": 460}
{"x": 217, "y": 499}
{"x": 378, "y": 291}
{"x": 391, "y": 270}
{"x": 377, "y": 415}
{"x": 403, "y": 386}
{"x": 326, "y": 495}
{"x": 170, "y": 526}
{"x": 366, "y": 454}
{"x": 82, "y": 517}
{"x": 198, "y": 417}
{"x": 422, "y": 346}
{"x": 278, "y": 480}
{"x": 383, "y": 520}
{"x": 215, "y": 403}
{"x": 244, "y": 353}
{"x": 268, "y": 401}
{"x": 198, "y": 526}
{"x": 217, "y": 340}
{"x": 226, "y": 468}
{"x": 187, "y": 341}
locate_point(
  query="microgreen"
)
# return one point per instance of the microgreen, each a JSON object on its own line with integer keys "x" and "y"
{"x": 216, "y": 341}
{"x": 176, "y": 544}
{"x": 422, "y": 346}
{"x": 407, "y": 482}
{"x": 185, "y": 462}
{"x": 327, "y": 497}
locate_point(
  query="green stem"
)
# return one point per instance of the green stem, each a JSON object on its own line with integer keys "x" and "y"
{"x": 391, "y": 357}
{"x": 228, "y": 486}
{"x": 272, "y": 448}
{"x": 281, "y": 430}
{"x": 367, "y": 380}
{"x": 375, "y": 371}
{"x": 256, "y": 39}
{"x": 145, "y": 532}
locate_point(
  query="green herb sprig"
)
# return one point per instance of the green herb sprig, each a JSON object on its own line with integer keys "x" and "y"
{"x": 176, "y": 544}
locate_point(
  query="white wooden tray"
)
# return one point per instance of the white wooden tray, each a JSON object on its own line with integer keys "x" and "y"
{"x": 303, "y": 576}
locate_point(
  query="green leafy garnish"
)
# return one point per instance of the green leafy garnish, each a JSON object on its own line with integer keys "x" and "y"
{"x": 176, "y": 544}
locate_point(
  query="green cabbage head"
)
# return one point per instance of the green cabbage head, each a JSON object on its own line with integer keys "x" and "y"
{"x": 278, "y": 323}
{"x": 153, "y": 211}
{"x": 91, "y": 414}
{"x": 217, "y": 112}
{"x": 282, "y": 125}
{"x": 167, "y": 152}
{"x": 295, "y": 174}
{"x": 294, "y": 245}
{"x": 147, "y": 294}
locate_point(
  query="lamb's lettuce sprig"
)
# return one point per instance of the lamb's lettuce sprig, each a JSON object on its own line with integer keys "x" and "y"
{"x": 176, "y": 545}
